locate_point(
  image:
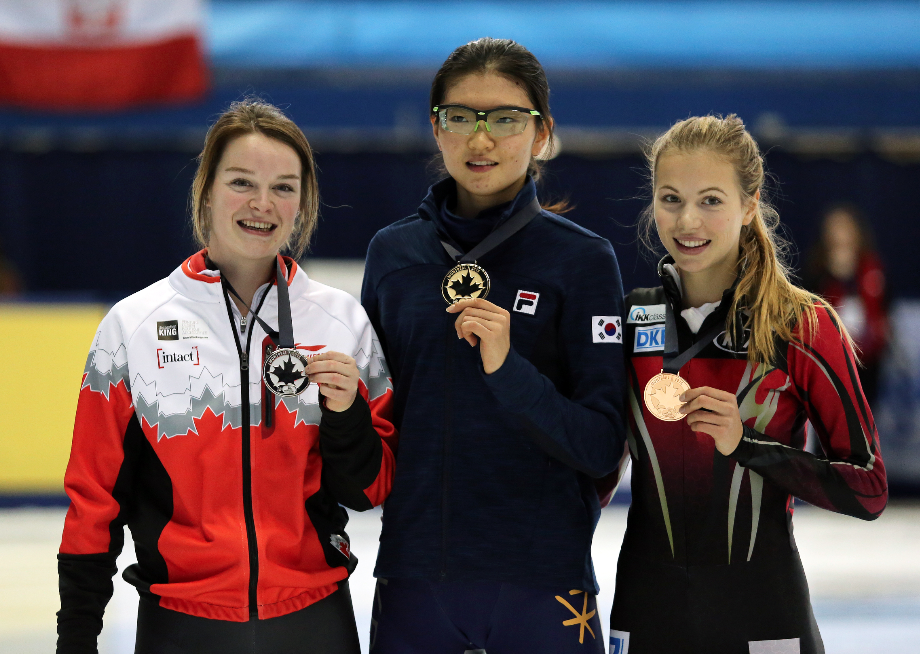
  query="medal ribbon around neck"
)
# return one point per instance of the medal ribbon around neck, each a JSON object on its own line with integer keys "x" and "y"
{"x": 285, "y": 368}
{"x": 663, "y": 390}
{"x": 468, "y": 279}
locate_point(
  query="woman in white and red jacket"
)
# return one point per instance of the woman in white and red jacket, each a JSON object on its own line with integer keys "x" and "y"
{"x": 198, "y": 425}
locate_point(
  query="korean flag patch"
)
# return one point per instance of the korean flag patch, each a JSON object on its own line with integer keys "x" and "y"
{"x": 606, "y": 329}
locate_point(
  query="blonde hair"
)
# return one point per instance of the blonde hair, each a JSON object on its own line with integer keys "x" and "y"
{"x": 775, "y": 306}
{"x": 253, "y": 116}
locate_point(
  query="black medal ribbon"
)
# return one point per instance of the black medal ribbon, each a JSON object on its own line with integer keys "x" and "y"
{"x": 283, "y": 338}
{"x": 284, "y": 335}
{"x": 497, "y": 236}
{"x": 672, "y": 360}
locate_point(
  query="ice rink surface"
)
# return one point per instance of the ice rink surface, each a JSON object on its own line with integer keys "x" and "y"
{"x": 864, "y": 577}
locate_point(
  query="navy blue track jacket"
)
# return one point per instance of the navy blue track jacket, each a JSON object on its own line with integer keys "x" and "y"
{"x": 494, "y": 472}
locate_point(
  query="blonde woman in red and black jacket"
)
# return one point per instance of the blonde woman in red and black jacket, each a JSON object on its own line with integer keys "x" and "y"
{"x": 727, "y": 360}
{"x": 226, "y": 413}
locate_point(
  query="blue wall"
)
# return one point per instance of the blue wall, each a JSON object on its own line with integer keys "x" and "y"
{"x": 112, "y": 222}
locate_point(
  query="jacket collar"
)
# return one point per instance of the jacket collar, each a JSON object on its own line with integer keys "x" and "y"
{"x": 672, "y": 287}
{"x": 444, "y": 192}
{"x": 195, "y": 280}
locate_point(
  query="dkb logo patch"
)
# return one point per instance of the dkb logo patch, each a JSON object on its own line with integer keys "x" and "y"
{"x": 649, "y": 338}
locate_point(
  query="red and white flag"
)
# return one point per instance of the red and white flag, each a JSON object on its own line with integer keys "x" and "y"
{"x": 100, "y": 54}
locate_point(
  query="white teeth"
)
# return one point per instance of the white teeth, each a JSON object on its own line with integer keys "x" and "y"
{"x": 481, "y": 163}
{"x": 692, "y": 244}
{"x": 252, "y": 224}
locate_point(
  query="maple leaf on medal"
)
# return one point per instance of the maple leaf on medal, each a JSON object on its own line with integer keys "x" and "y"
{"x": 466, "y": 286}
{"x": 287, "y": 373}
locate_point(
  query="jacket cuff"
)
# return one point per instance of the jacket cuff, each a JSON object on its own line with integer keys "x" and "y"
{"x": 517, "y": 384}
{"x": 745, "y": 450}
{"x": 341, "y": 424}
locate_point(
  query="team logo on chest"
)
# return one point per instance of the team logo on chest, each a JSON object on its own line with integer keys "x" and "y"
{"x": 165, "y": 358}
{"x": 285, "y": 372}
{"x": 465, "y": 281}
{"x": 526, "y": 302}
{"x": 649, "y": 338}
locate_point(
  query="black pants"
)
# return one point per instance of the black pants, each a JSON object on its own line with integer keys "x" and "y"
{"x": 760, "y": 606}
{"x": 326, "y": 627}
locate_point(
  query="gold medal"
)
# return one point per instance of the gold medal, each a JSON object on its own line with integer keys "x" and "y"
{"x": 661, "y": 396}
{"x": 464, "y": 282}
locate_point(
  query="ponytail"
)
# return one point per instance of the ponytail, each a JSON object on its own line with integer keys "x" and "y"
{"x": 773, "y": 306}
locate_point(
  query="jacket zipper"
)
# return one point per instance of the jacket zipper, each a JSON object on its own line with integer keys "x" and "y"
{"x": 251, "y": 539}
{"x": 445, "y": 463}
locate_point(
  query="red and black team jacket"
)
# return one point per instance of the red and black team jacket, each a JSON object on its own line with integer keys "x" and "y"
{"x": 232, "y": 494}
{"x": 693, "y": 506}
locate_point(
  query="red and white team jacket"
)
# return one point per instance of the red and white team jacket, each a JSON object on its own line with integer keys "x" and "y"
{"x": 235, "y": 514}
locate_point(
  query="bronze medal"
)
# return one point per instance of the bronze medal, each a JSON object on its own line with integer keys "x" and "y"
{"x": 465, "y": 281}
{"x": 661, "y": 396}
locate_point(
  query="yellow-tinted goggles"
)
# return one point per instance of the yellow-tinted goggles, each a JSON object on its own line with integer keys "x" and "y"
{"x": 503, "y": 121}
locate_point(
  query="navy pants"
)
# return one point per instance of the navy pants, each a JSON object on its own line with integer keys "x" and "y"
{"x": 412, "y": 616}
{"x": 326, "y": 627}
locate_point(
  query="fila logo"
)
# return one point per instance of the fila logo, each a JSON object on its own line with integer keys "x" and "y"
{"x": 164, "y": 357}
{"x": 649, "y": 338}
{"x": 607, "y": 329}
{"x": 646, "y": 314}
{"x": 619, "y": 642}
{"x": 526, "y": 302}
{"x": 168, "y": 330}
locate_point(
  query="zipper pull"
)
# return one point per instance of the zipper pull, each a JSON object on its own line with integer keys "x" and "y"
{"x": 245, "y": 362}
{"x": 243, "y": 324}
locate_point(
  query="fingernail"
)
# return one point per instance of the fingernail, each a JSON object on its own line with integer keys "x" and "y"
{"x": 682, "y": 398}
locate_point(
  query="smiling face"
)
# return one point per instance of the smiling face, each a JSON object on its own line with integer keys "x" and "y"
{"x": 488, "y": 170}
{"x": 253, "y": 200}
{"x": 699, "y": 212}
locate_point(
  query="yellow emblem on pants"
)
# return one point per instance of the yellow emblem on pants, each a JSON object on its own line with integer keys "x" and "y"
{"x": 580, "y": 618}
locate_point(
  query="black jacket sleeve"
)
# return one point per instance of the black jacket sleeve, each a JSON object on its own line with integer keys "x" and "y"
{"x": 352, "y": 453}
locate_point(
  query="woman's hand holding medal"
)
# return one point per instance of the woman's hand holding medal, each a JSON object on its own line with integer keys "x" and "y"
{"x": 714, "y": 412}
{"x": 336, "y": 375}
{"x": 489, "y": 325}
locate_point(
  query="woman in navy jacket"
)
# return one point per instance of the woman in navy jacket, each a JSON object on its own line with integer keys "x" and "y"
{"x": 510, "y": 401}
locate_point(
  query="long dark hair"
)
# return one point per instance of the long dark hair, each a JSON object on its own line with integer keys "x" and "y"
{"x": 511, "y": 60}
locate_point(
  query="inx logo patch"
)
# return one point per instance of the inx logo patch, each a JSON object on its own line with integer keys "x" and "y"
{"x": 164, "y": 357}
{"x": 649, "y": 338}
{"x": 607, "y": 329}
{"x": 526, "y": 302}
{"x": 168, "y": 330}
{"x": 646, "y": 314}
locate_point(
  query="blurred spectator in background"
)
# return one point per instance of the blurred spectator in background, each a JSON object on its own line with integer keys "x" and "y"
{"x": 844, "y": 268}
{"x": 10, "y": 281}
